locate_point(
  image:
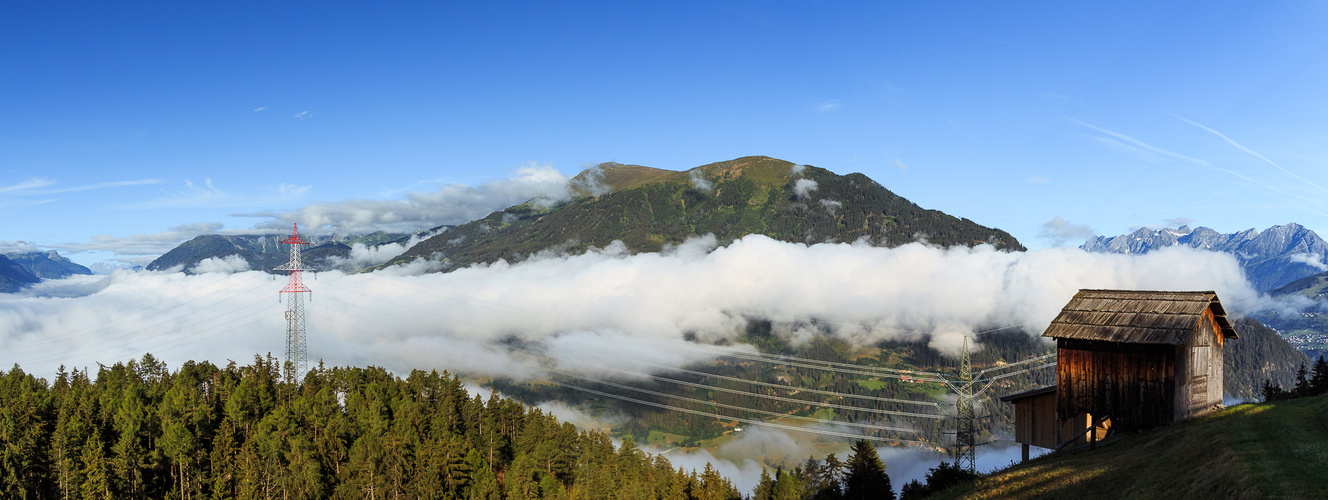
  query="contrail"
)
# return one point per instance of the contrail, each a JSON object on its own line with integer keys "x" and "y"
{"x": 1252, "y": 153}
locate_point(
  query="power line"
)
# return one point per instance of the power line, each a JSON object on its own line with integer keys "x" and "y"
{"x": 738, "y": 419}
{"x": 759, "y": 395}
{"x": 736, "y": 407}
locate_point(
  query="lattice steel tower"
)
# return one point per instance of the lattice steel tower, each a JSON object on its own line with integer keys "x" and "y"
{"x": 965, "y": 419}
{"x": 295, "y": 345}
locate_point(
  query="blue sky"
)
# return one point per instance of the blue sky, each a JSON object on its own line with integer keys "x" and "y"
{"x": 130, "y": 127}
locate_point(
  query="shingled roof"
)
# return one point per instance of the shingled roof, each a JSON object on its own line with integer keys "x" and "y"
{"x": 1137, "y": 316}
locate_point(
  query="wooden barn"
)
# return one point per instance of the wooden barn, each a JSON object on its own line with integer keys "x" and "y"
{"x": 1126, "y": 360}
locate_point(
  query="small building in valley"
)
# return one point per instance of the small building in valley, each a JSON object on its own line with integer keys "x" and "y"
{"x": 1126, "y": 359}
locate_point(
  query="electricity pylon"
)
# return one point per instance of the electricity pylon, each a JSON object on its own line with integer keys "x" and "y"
{"x": 295, "y": 343}
{"x": 965, "y": 454}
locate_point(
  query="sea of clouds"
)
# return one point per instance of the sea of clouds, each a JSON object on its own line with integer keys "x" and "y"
{"x": 620, "y": 310}
{"x": 605, "y": 313}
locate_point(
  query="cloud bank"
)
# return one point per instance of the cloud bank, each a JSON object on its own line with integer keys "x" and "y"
{"x": 450, "y": 204}
{"x": 620, "y": 310}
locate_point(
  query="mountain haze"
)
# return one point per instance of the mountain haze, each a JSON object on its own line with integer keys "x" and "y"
{"x": 649, "y": 209}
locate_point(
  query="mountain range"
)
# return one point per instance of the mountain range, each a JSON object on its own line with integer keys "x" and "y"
{"x": 649, "y": 209}
{"x": 1272, "y": 258}
{"x": 264, "y": 251}
{"x": 47, "y": 265}
{"x": 13, "y": 276}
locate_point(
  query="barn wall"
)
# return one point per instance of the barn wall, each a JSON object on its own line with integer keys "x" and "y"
{"x": 1203, "y": 390}
{"x": 1134, "y": 384}
{"x": 1035, "y": 420}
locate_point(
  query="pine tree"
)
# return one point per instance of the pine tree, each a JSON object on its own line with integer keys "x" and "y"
{"x": 765, "y": 488}
{"x": 1302, "y": 383}
{"x": 866, "y": 478}
{"x": 1320, "y": 383}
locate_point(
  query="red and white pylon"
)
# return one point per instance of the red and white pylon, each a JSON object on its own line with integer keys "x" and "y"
{"x": 295, "y": 343}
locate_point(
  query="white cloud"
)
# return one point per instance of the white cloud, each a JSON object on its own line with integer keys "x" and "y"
{"x": 606, "y": 306}
{"x": 699, "y": 181}
{"x": 1059, "y": 231}
{"x": 149, "y": 245}
{"x": 831, "y": 205}
{"x": 260, "y": 108}
{"x": 797, "y": 170}
{"x": 17, "y": 247}
{"x": 303, "y": 114}
{"x": 1309, "y": 259}
{"x": 804, "y": 187}
{"x": 450, "y": 204}
{"x": 899, "y": 164}
{"x": 229, "y": 264}
{"x": 828, "y": 106}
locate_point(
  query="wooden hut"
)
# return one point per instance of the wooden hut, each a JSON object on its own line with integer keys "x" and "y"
{"x": 1127, "y": 359}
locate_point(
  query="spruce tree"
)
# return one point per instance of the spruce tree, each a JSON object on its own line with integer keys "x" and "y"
{"x": 1320, "y": 383}
{"x": 1302, "y": 383}
{"x": 866, "y": 478}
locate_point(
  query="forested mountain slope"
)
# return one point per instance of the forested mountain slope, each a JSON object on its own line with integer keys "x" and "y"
{"x": 1259, "y": 355}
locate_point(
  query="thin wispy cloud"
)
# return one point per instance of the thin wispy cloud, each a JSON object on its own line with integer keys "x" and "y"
{"x": 828, "y": 106}
{"x": 26, "y": 186}
{"x": 152, "y": 244}
{"x": 1126, "y": 141}
{"x": 1253, "y": 153}
{"x": 1151, "y": 148}
{"x": 417, "y": 210}
{"x": 43, "y": 187}
{"x": 260, "y": 108}
{"x": 207, "y": 194}
{"x": 17, "y": 246}
{"x": 303, "y": 114}
{"x": 1059, "y": 231}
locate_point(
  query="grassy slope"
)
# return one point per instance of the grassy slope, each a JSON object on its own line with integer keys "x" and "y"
{"x": 1275, "y": 450}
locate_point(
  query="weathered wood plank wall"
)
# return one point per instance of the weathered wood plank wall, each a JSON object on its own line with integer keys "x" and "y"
{"x": 1135, "y": 384}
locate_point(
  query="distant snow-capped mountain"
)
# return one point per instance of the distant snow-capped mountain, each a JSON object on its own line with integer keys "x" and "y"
{"x": 1272, "y": 258}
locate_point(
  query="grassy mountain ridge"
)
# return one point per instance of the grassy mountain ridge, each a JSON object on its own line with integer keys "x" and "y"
{"x": 1275, "y": 450}
{"x": 648, "y": 209}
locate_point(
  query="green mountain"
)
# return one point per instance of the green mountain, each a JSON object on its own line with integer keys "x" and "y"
{"x": 48, "y": 265}
{"x": 648, "y": 209}
{"x": 1274, "y": 450}
{"x": 264, "y": 252}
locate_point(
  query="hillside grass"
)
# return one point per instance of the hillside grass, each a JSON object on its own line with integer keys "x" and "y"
{"x": 1277, "y": 450}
